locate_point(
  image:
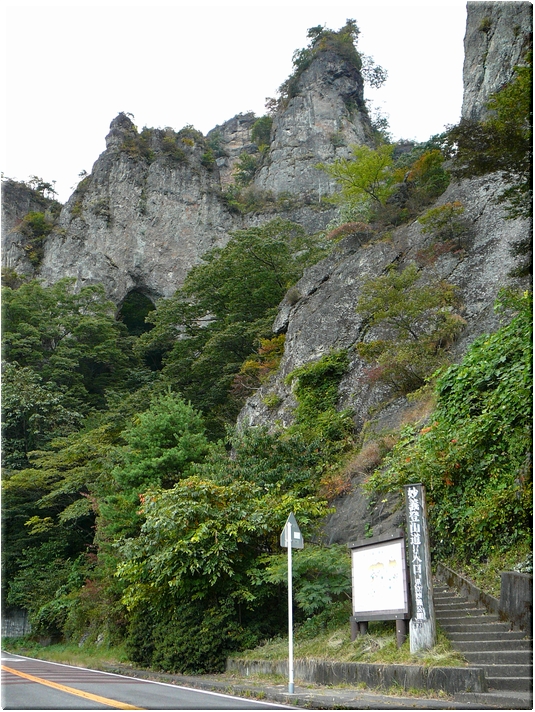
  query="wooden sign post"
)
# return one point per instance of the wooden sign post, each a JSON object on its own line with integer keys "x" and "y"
{"x": 422, "y": 627}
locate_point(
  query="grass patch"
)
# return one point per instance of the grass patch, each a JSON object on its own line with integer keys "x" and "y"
{"x": 335, "y": 645}
{"x": 87, "y": 655}
{"x": 486, "y": 574}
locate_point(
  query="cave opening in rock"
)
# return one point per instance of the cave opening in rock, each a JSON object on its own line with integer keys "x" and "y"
{"x": 135, "y": 307}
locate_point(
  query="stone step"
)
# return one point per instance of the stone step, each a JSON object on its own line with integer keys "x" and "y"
{"x": 490, "y": 635}
{"x": 466, "y": 619}
{"x": 498, "y": 657}
{"x": 495, "y": 670}
{"x": 439, "y": 596}
{"x": 465, "y": 627}
{"x": 518, "y": 684}
{"x": 486, "y": 642}
{"x": 462, "y": 613}
{"x": 492, "y": 645}
{"x": 506, "y": 699}
{"x": 452, "y": 604}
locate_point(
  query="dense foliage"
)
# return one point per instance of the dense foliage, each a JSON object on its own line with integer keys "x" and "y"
{"x": 134, "y": 512}
{"x": 475, "y": 455}
{"x": 417, "y": 324}
{"x": 214, "y": 322}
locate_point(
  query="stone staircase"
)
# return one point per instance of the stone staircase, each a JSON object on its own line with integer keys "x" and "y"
{"x": 488, "y": 643}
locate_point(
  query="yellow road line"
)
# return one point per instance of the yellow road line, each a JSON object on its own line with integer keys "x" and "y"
{"x": 73, "y": 690}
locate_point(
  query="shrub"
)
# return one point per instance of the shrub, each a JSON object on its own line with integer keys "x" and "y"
{"x": 445, "y": 223}
{"x": 321, "y": 576}
{"x": 428, "y": 175}
{"x": 171, "y": 148}
{"x": 418, "y": 324}
{"x": 475, "y": 455}
{"x": 261, "y": 131}
{"x": 245, "y": 169}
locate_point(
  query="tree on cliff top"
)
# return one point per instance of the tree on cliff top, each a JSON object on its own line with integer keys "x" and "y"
{"x": 344, "y": 43}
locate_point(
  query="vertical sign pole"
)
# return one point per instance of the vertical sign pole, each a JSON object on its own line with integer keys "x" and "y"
{"x": 422, "y": 624}
{"x": 290, "y": 612}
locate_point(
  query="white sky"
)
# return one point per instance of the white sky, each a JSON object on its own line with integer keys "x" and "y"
{"x": 70, "y": 68}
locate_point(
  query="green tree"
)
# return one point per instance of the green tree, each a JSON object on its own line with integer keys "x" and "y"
{"x": 32, "y": 414}
{"x": 368, "y": 175}
{"x": 417, "y": 323}
{"x": 70, "y": 338}
{"x": 445, "y": 223}
{"x": 321, "y": 576}
{"x": 261, "y": 131}
{"x": 212, "y": 324}
{"x": 161, "y": 444}
{"x": 200, "y": 543}
{"x": 51, "y": 509}
{"x": 246, "y": 167}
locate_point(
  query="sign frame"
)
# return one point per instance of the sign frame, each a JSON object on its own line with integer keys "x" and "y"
{"x": 376, "y": 548}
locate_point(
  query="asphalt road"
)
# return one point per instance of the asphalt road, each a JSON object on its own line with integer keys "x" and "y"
{"x": 30, "y": 684}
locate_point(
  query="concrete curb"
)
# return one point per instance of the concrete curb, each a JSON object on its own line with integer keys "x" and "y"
{"x": 376, "y": 676}
{"x": 320, "y": 698}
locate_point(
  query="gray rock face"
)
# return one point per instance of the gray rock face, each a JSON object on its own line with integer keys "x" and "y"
{"x": 18, "y": 199}
{"x": 321, "y": 121}
{"x": 142, "y": 219}
{"x": 497, "y": 35}
{"x": 320, "y": 316}
{"x": 231, "y": 139}
{"x": 324, "y": 318}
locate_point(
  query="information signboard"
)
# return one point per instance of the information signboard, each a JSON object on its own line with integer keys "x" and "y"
{"x": 379, "y": 577}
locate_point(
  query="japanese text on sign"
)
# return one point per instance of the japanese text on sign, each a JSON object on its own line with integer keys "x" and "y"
{"x": 415, "y": 549}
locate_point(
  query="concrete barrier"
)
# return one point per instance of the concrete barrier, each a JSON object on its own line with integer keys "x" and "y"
{"x": 15, "y": 623}
{"x": 516, "y": 599}
{"x": 466, "y": 588}
{"x": 374, "y": 676}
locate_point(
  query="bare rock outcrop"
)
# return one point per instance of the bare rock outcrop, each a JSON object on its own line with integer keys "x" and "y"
{"x": 19, "y": 199}
{"x": 326, "y": 115}
{"x": 143, "y": 218}
{"x": 497, "y": 35}
{"x": 229, "y": 141}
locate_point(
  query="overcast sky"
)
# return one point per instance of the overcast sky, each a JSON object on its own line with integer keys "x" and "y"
{"x": 70, "y": 68}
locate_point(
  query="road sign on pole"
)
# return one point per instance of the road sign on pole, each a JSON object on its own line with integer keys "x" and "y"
{"x": 291, "y": 538}
{"x": 292, "y": 534}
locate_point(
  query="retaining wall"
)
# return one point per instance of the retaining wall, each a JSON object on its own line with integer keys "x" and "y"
{"x": 516, "y": 596}
{"x": 449, "y": 679}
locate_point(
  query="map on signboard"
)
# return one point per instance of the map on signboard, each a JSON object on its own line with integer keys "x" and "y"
{"x": 378, "y": 578}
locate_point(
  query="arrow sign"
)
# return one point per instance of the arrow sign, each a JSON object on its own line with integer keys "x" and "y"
{"x": 296, "y": 538}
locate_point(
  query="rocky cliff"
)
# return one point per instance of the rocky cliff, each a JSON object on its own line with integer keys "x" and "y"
{"x": 19, "y": 199}
{"x": 324, "y": 319}
{"x": 325, "y": 116}
{"x": 321, "y": 316}
{"x": 497, "y": 35}
{"x": 154, "y": 202}
{"x": 150, "y": 209}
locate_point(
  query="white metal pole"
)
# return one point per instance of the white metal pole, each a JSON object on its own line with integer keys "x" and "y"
{"x": 290, "y": 612}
